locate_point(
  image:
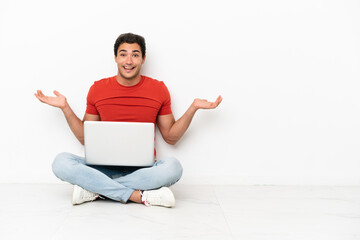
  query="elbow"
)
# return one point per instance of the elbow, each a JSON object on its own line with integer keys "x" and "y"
{"x": 171, "y": 141}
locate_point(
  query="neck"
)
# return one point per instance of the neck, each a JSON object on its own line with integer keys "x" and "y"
{"x": 128, "y": 82}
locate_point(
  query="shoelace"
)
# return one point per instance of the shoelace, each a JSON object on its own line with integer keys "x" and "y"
{"x": 86, "y": 195}
{"x": 153, "y": 199}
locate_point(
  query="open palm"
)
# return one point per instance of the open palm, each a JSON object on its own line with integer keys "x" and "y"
{"x": 57, "y": 101}
{"x": 205, "y": 104}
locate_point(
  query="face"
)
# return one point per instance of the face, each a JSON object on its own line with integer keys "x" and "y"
{"x": 129, "y": 60}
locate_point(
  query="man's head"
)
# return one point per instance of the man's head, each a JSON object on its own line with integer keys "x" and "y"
{"x": 129, "y": 50}
{"x": 130, "y": 38}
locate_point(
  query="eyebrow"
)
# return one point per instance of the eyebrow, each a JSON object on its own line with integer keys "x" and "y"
{"x": 123, "y": 50}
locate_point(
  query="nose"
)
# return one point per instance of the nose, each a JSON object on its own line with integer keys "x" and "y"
{"x": 128, "y": 60}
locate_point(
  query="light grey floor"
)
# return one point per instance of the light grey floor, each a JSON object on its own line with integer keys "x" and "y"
{"x": 43, "y": 211}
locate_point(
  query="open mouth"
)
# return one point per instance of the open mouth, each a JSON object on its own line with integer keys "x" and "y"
{"x": 128, "y": 68}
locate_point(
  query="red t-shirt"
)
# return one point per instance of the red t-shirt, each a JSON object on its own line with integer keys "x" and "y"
{"x": 140, "y": 103}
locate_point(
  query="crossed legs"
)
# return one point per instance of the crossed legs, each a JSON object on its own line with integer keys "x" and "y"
{"x": 117, "y": 183}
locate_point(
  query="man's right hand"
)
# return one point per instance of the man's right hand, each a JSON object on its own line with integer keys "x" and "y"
{"x": 58, "y": 101}
{"x": 75, "y": 124}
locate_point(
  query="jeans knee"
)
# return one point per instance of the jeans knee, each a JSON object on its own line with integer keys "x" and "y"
{"x": 61, "y": 165}
{"x": 174, "y": 169}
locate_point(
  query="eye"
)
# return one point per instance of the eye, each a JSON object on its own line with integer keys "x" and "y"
{"x": 136, "y": 55}
{"x": 122, "y": 54}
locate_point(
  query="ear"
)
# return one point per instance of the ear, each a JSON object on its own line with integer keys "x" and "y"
{"x": 143, "y": 59}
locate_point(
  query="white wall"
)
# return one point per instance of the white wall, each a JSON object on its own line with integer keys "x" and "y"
{"x": 288, "y": 72}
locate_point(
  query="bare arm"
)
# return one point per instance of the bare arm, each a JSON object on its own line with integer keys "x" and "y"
{"x": 75, "y": 124}
{"x": 172, "y": 130}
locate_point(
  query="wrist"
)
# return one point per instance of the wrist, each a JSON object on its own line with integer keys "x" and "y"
{"x": 194, "y": 107}
{"x": 64, "y": 107}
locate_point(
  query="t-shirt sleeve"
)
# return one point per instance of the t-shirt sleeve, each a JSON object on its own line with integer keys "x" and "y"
{"x": 90, "y": 103}
{"x": 166, "y": 104}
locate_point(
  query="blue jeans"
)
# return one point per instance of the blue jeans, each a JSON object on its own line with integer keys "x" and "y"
{"x": 115, "y": 182}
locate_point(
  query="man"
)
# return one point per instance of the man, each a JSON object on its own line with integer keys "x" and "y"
{"x": 127, "y": 97}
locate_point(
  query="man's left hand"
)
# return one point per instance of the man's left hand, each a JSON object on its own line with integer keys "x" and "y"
{"x": 205, "y": 104}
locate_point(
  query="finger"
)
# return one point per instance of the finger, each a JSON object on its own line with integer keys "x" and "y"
{"x": 40, "y": 93}
{"x": 39, "y": 98}
{"x": 216, "y": 103}
{"x": 57, "y": 93}
{"x": 37, "y": 95}
{"x": 218, "y": 100}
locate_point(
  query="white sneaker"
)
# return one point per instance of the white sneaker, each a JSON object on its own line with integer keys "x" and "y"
{"x": 160, "y": 197}
{"x": 81, "y": 195}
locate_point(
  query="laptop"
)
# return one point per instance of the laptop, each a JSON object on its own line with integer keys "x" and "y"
{"x": 119, "y": 143}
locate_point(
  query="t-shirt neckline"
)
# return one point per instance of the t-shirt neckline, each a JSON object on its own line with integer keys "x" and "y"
{"x": 129, "y": 87}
